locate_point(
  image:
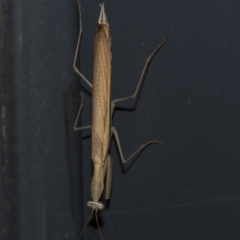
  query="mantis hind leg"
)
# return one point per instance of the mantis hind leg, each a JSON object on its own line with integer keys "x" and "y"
{"x": 78, "y": 115}
{"x": 144, "y": 71}
{"x": 77, "y": 48}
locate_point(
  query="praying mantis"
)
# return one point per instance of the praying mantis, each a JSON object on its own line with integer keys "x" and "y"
{"x": 102, "y": 130}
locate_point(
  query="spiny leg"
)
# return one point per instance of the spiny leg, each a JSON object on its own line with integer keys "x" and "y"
{"x": 149, "y": 59}
{"x": 77, "y": 48}
{"x": 114, "y": 132}
{"x": 75, "y": 128}
{"x": 108, "y": 173}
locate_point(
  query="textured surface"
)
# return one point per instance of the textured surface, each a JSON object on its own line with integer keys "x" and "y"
{"x": 189, "y": 188}
{"x": 101, "y": 101}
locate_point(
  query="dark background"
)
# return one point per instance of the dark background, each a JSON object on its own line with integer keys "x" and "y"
{"x": 188, "y": 188}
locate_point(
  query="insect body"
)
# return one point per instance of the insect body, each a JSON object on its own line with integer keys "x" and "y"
{"x": 101, "y": 107}
{"x": 102, "y": 110}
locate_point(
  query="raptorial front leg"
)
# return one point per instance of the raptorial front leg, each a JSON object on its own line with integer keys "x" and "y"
{"x": 108, "y": 169}
{"x": 114, "y": 132}
{"x": 75, "y": 128}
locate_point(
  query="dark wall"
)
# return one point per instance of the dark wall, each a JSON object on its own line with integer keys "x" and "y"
{"x": 40, "y": 155}
{"x": 189, "y": 187}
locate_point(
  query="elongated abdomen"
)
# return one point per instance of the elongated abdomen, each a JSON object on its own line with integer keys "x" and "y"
{"x": 101, "y": 109}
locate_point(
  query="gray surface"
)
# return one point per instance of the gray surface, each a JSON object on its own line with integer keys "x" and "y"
{"x": 186, "y": 189}
{"x": 42, "y": 157}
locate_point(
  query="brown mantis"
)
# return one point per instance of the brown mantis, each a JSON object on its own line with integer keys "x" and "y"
{"x": 102, "y": 111}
